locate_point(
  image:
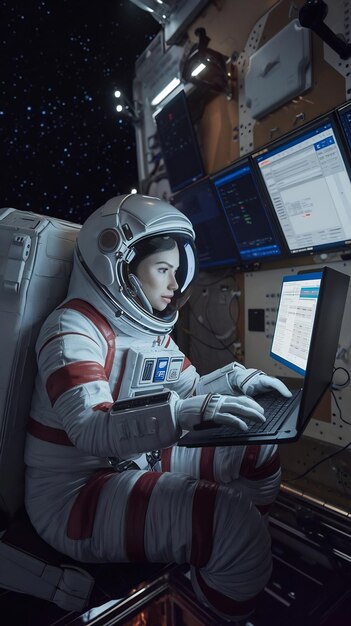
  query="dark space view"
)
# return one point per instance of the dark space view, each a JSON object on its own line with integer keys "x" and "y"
{"x": 64, "y": 150}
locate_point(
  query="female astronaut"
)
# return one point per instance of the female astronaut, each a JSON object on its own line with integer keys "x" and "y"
{"x": 105, "y": 480}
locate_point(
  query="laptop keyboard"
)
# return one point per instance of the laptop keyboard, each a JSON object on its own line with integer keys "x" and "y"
{"x": 275, "y": 410}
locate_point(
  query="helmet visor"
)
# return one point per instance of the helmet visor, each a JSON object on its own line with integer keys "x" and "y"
{"x": 185, "y": 274}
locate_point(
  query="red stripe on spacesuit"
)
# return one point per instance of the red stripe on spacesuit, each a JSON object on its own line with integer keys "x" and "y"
{"x": 249, "y": 461}
{"x": 166, "y": 459}
{"x": 47, "y": 433}
{"x": 101, "y": 324}
{"x": 167, "y": 342}
{"x": 206, "y": 463}
{"x": 138, "y": 503}
{"x": 103, "y": 406}
{"x": 248, "y": 467}
{"x": 186, "y": 364}
{"x": 62, "y": 335}
{"x": 81, "y": 518}
{"x": 202, "y": 523}
{"x": 69, "y": 376}
{"x": 223, "y": 603}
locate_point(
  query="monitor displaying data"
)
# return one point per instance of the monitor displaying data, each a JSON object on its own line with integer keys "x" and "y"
{"x": 307, "y": 179}
{"x": 294, "y": 325}
{"x": 246, "y": 211}
{"x": 214, "y": 243}
{"x": 344, "y": 116}
{"x": 179, "y": 145}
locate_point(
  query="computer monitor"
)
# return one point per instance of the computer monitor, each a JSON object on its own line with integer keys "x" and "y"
{"x": 306, "y": 176}
{"x": 214, "y": 243}
{"x": 295, "y": 320}
{"x": 179, "y": 143}
{"x": 344, "y": 116}
{"x": 247, "y": 213}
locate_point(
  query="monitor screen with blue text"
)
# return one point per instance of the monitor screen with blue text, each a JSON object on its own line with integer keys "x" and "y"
{"x": 214, "y": 244}
{"x": 307, "y": 179}
{"x": 247, "y": 213}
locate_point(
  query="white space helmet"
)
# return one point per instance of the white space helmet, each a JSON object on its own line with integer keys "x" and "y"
{"x": 108, "y": 242}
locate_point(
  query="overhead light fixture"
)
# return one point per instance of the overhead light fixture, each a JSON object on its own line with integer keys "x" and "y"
{"x": 198, "y": 69}
{"x": 126, "y": 109}
{"x": 157, "y": 8}
{"x": 206, "y": 67}
{"x": 165, "y": 91}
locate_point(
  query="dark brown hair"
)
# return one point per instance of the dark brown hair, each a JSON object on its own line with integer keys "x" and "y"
{"x": 149, "y": 246}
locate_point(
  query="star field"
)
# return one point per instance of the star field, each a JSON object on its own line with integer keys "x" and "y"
{"x": 64, "y": 149}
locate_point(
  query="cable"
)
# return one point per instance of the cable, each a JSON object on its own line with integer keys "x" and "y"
{"x": 232, "y": 332}
{"x": 333, "y": 387}
{"x": 339, "y": 409}
{"x": 337, "y": 386}
{"x": 188, "y": 332}
{"x": 319, "y": 463}
{"x": 209, "y": 328}
{"x": 191, "y": 334}
{"x": 224, "y": 346}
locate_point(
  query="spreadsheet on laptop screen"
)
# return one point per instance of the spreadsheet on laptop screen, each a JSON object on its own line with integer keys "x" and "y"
{"x": 295, "y": 319}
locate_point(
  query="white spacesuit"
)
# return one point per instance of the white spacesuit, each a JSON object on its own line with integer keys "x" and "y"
{"x": 91, "y": 491}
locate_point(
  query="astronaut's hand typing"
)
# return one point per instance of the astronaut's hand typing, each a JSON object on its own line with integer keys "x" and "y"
{"x": 252, "y": 381}
{"x": 230, "y": 410}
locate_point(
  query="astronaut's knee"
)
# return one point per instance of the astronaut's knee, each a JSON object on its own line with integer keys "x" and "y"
{"x": 224, "y": 606}
{"x": 230, "y": 575}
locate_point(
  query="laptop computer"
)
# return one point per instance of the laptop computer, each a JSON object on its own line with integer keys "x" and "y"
{"x": 305, "y": 339}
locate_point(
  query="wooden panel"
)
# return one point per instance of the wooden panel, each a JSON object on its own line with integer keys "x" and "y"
{"x": 217, "y": 135}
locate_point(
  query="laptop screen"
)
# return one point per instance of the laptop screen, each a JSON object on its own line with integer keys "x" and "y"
{"x": 295, "y": 319}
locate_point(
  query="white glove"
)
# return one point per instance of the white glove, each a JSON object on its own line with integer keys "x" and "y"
{"x": 219, "y": 409}
{"x": 251, "y": 382}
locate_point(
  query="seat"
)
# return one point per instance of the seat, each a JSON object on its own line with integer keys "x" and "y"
{"x": 36, "y": 255}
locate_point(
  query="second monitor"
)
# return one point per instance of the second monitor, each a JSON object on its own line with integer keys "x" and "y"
{"x": 307, "y": 178}
{"x": 247, "y": 213}
{"x": 214, "y": 243}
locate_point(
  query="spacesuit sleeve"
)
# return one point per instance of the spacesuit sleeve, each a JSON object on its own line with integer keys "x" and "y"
{"x": 74, "y": 367}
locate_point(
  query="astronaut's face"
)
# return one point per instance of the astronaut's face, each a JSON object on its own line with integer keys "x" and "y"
{"x": 157, "y": 275}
